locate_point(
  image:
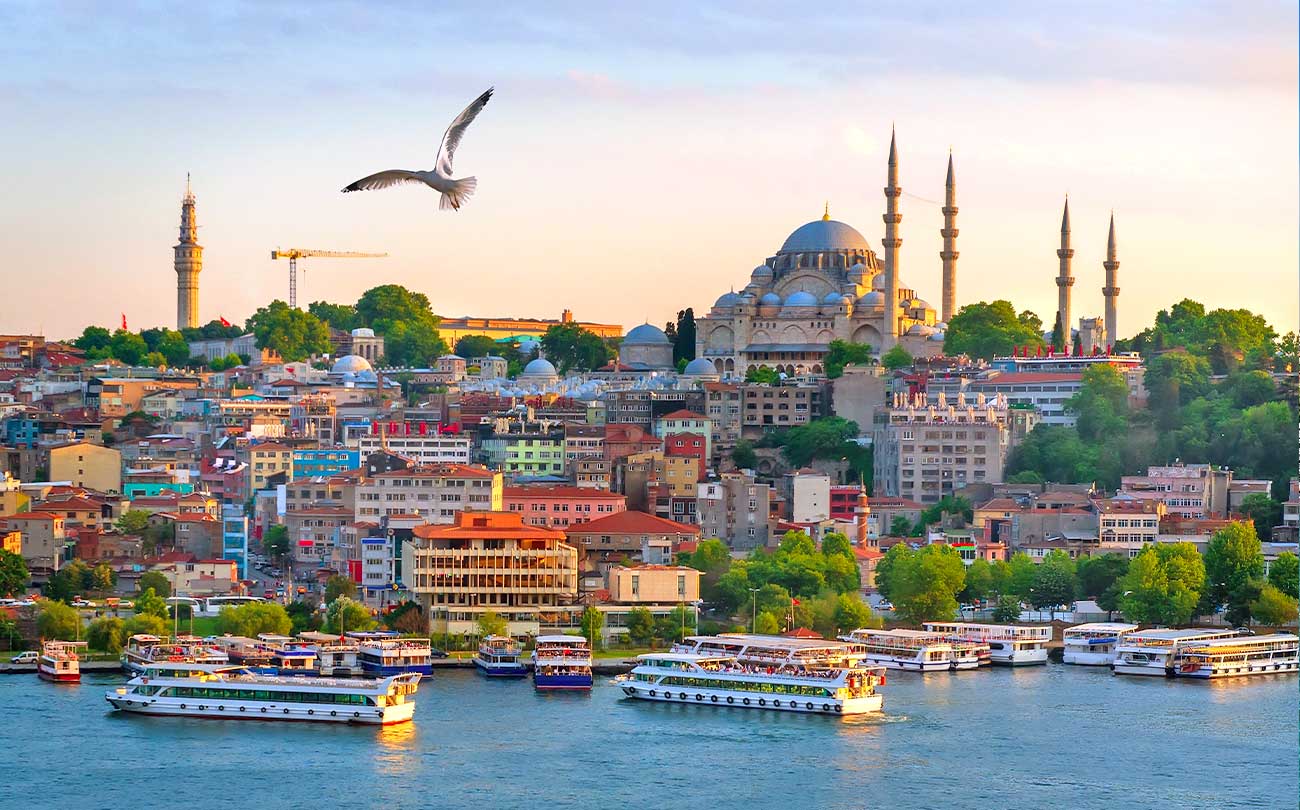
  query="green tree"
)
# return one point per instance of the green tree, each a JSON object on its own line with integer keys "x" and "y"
{"x": 1163, "y": 585}
{"x": 834, "y": 543}
{"x": 841, "y": 353}
{"x": 154, "y": 360}
{"x": 1249, "y": 388}
{"x": 712, "y": 559}
{"x": 900, "y": 526}
{"x": 338, "y": 316}
{"x": 393, "y": 302}
{"x": 344, "y": 615}
{"x": 1101, "y": 404}
{"x": 570, "y": 347}
{"x": 1284, "y": 573}
{"x": 987, "y": 330}
{"x": 764, "y": 375}
{"x": 732, "y": 590}
{"x": 979, "y": 581}
{"x": 682, "y": 334}
{"x": 1174, "y": 379}
{"x": 1053, "y": 581}
{"x": 133, "y": 522}
{"x": 304, "y": 616}
{"x": 830, "y": 438}
{"x": 154, "y": 581}
{"x": 128, "y": 347}
{"x": 275, "y": 542}
{"x": 145, "y": 624}
{"x": 102, "y": 578}
{"x": 337, "y": 586}
{"x": 640, "y": 626}
{"x": 1273, "y": 607}
{"x": 68, "y": 582}
{"x": 852, "y": 614}
{"x": 295, "y": 334}
{"x": 212, "y": 330}
{"x": 169, "y": 343}
{"x": 151, "y": 603}
{"x": 957, "y": 505}
{"x": 743, "y": 455}
{"x": 924, "y": 584}
{"x": 1020, "y": 576}
{"x": 1264, "y": 513}
{"x": 14, "y": 575}
{"x": 58, "y": 621}
{"x": 107, "y": 634}
{"x": 767, "y": 624}
{"x": 254, "y": 618}
{"x": 472, "y": 346}
{"x": 411, "y": 343}
{"x": 491, "y": 623}
{"x": 896, "y": 358}
{"x": 593, "y": 626}
{"x": 95, "y": 342}
{"x": 1097, "y": 574}
{"x": 1007, "y": 610}
{"x": 1233, "y": 559}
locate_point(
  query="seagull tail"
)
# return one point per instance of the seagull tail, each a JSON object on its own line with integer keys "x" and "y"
{"x": 459, "y": 194}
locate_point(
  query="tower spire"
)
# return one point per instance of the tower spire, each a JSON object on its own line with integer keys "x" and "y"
{"x": 1064, "y": 278}
{"x": 826, "y": 211}
{"x": 1111, "y": 290}
{"x": 949, "y": 253}
{"x": 187, "y": 259}
{"x": 891, "y": 242}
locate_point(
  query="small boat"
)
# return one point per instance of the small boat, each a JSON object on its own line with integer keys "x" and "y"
{"x": 1009, "y": 644}
{"x": 336, "y": 656}
{"x": 288, "y": 656}
{"x": 1153, "y": 652}
{"x": 498, "y": 657}
{"x": 59, "y": 661}
{"x": 562, "y": 662}
{"x": 1234, "y": 657}
{"x": 235, "y": 693}
{"x": 722, "y": 680}
{"x": 143, "y": 649}
{"x": 915, "y": 650}
{"x": 1093, "y": 644}
{"x": 383, "y": 652}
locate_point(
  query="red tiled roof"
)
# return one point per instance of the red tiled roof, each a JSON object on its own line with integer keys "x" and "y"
{"x": 32, "y": 516}
{"x": 1024, "y": 377}
{"x": 629, "y": 522}
{"x": 439, "y": 471}
{"x": 561, "y": 491}
{"x": 1000, "y": 505}
{"x": 683, "y": 414}
{"x": 497, "y": 525}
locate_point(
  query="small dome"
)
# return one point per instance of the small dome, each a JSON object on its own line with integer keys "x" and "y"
{"x": 878, "y": 282}
{"x": 761, "y": 273}
{"x": 875, "y": 298}
{"x": 699, "y": 366}
{"x": 920, "y": 329}
{"x": 770, "y": 300}
{"x": 833, "y": 298}
{"x": 746, "y": 297}
{"x": 857, "y": 273}
{"x": 937, "y": 337}
{"x": 726, "y": 300}
{"x": 363, "y": 332}
{"x": 350, "y": 364}
{"x": 801, "y": 298}
{"x": 541, "y": 367}
{"x": 646, "y": 335}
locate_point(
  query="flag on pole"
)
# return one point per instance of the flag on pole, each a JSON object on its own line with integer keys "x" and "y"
{"x": 224, "y": 322}
{"x": 124, "y": 322}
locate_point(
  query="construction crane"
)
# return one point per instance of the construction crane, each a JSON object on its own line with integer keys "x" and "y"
{"x": 294, "y": 254}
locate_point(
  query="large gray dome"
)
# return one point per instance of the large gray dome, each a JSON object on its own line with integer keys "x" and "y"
{"x": 824, "y": 234}
{"x": 541, "y": 367}
{"x": 699, "y": 366}
{"x": 646, "y": 335}
{"x": 770, "y": 300}
{"x": 350, "y": 364}
{"x": 725, "y": 301}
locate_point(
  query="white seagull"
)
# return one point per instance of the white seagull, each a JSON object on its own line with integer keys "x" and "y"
{"x": 454, "y": 192}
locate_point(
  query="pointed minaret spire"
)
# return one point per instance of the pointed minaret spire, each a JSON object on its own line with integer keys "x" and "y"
{"x": 949, "y": 254}
{"x": 187, "y": 259}
{"x": 891, "y": 242}
{"x": 1064, "y": 278}
{"x": 1111, "y": 291}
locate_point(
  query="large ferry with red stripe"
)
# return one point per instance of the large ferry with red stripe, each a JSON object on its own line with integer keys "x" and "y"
{"x": 59, "y": 661}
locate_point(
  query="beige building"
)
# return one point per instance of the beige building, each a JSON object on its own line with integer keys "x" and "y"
{"x": 267, "y": 460}
{"x": 453, "y": 329}
{"x": 661, "y": 584}
{"x": 491, "y": 561}
{"x": 87, "y": 465}
{"x": 435, "y": 492}
{"x": 722, "y": 406}
{"x": 1126, "y": 525}
{"x": 736, "y": 509}
{"x": 43, "y": 538}
{"x": 764, "y": 407}
{"x": 640, "y": 474}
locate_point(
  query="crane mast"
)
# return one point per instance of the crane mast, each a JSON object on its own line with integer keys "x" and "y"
{"x": 294, "y": 254}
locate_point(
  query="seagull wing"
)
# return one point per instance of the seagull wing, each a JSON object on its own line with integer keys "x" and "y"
{"x": 451, "y": 138}
{"x": 384, "y": 179}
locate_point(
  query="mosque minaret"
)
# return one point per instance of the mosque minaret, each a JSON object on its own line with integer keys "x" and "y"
{"x": 892, "y": 242}
{"x": 1111, "y": 291}
{"x": 1064, "y": 281}
{"x": 188, "y": 261}
{"x": 948, "y": 301}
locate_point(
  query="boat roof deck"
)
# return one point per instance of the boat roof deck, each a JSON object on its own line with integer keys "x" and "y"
{"x": 774, "y": 642}
{"x": 1101, "y": 627}
{"x": 1243, "y": 641}
{"x": 1186, "y": 633}
{"x": 561, "y": 640}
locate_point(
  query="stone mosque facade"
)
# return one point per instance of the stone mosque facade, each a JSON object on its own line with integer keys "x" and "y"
{"x": 824, "y": 284}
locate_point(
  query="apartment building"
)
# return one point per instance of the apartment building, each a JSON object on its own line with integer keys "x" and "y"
{"x": 736, "y": 509}
{"x": 560, "y": 506}
{"x": 435, "y": 492}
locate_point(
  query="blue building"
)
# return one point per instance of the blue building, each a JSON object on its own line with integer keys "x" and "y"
{"x": 310, "y": 463}
{"x": 234, "y": 536}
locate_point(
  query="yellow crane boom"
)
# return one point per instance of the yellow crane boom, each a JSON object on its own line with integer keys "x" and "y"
{"x": 294, "y": 254}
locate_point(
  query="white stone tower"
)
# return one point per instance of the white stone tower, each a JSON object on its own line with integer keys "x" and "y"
{"x": 1064, "y": 281}
{"x": 892, "y": 242}
{"x": 1110, "y": 291}
{"x": 949, "y": 253}
{"x": 188, "y": 260}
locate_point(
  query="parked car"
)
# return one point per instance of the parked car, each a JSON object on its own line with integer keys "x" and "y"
{"x": 434, "y": 652}
{"x": 884, "y": 604}
{"x": 28, "y": 657}
{"x": 1245, "y": 631}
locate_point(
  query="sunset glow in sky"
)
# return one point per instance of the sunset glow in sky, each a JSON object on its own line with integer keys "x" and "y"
{"x": 632, "y": 165}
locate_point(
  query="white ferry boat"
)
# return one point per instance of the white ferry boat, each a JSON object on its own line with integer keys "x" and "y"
{"x": 237, "y": 694}
{"x": 288, "y": 655}
{"x": 720, "y": 680}
{"x": 498, "y": 657}
{"x": 245, "y": 652}
{"x": 914, "y": 650}
{"x": 1151, "y": 652}
{"x": 142, "y": 650}
{"x": 1235, "y": 657}
{"x": 59, "y": 661}
{"x": 337, "y": 656}
{"x": 562, "y": 662}
{"x": 1094, "y": 644}
{"x": 751, "y": 648}
{"x": 383, "y": 652}
{"x": 1009, "y": 644}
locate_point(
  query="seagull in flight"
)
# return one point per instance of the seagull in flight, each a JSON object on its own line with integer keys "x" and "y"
{"x": 454, "y": 192}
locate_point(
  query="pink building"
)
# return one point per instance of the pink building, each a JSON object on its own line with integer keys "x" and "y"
{"x": 1186, "y": 490}
{"x": 559, "y": 506}
{"x": 685, "y": 421}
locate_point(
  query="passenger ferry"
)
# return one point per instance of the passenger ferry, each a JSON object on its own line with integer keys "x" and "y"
{"x": 383, "y": 652}
{"x": 1151, "y": 652}
{"x": 1009, "y": 644}
{"x": 59, "y": 661}
{"x": 245, "y": 652}
{"x": 288, "y": 655}
{"x": 1094, "y": 644}
{"x": 721, "y": 680}
{"x": 498, "y": 657}
{"x": 143, "y": 649}
{"x": 915, "y": 650}
{"x": 562, "y": 662}
{"x": 238, "y": 694}
{"x": 1235, "y": 657}
{"x": 751, "y": 648}
{"x": 336, "y": 656}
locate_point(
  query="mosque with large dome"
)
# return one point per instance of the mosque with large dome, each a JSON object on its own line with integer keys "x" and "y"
{"x": 824, "y": 284}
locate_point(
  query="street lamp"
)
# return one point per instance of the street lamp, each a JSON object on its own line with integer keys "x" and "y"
{"x": 753, "y": 621}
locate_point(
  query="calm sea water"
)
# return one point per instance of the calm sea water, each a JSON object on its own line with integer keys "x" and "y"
{"x": 1044, "y": 737}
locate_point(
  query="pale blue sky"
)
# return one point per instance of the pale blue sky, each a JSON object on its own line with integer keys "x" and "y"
{"x": 634, "y": 163}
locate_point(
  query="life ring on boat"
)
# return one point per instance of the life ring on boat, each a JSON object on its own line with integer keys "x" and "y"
{"x": 743, "y": 700}
{"x": 356, "y": 714}
{"x": 286, "y": 711}
{"x": 221, "y": 708}
{"x": 731, "y": 699}
{"x": 263, "y": 710}
{"x": 652, "y": 693}
{"x": 182, "y": 705}
{"x": 684, "y": 696}
{"x": 311, "y": 711}
{"x": 713, "y": 698}
{"x": 762, "y": 701}
{"x": 839, "y": 708}
{"x": 334, "y": 714}
{"x": 808, "y": 706}
{"x": 776, "y": 703}
{"x": 699, "y": 697}
{"x": 243, "y": 708}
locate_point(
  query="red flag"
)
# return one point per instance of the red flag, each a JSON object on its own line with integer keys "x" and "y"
{"x": 794, "y": 602}
{"x": 224, "y": 322}
{"x": 124, "y": 322}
